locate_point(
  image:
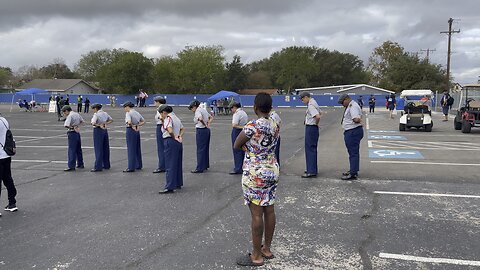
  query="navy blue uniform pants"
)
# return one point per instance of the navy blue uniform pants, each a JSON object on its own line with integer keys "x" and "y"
{"x": 352, "y": 139}
{"x": 74, "y": 149}
{"x": 238, "y": 155}
{"x": 134, "y": 149}
{"x": 173, "y": 163}
{"x": 160, "y": 149}
{"x": 203, "y": 149}
{"x": 6, "y": 178}
{"x": 277, "y": 151}
{"x": 372, "y": 108}
{"x": 102, "y": 148}
{"x": 311, "y": 142}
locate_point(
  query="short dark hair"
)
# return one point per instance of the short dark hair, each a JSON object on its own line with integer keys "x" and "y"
{"x": 194, "y": 103}
{"x": 168, "y": 109}
{"x": 263, "y": 102}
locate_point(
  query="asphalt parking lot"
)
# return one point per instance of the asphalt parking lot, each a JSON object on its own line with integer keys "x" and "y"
{"x": 414, "y": 207}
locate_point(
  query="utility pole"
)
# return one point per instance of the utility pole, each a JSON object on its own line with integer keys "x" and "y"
{"x": 449, "y": 33}
{"x": 428, "y": 53}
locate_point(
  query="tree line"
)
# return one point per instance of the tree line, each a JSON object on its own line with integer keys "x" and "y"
{"x": 205, "y": 69}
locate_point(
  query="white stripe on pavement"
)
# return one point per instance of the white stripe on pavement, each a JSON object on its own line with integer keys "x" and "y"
{"x": 426, "y": 194}
{"x": 64, "y": 147}
{"x": 39, "y": 161}
{"x": 428, "y": 260}
{"x": 424, "y": 163}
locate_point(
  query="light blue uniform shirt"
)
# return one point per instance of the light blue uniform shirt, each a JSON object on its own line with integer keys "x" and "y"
{"x": 172, "y": 121}
{"x": 240, "y": 117}
{"x": 100, "y": 118}
{"x": 200, "y": 113}
{"x": 312, "y": 110}
{"x": 73, "y": 120}
{"x": 133, "y": 116}
{"x": 352, "y": 111}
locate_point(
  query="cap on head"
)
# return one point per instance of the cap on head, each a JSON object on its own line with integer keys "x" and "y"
{"x": 236, "y": 105}
{"x": 304, "y": 94}
{"x": 162, "y": 108}
{"x": 342, "y": 98}
{"x": 160, "y": 99}
{"x": 194, "y": 103}
{"x": 97, "y": 106}
{"x": 66, "y": 108}
{"x": 128, "y": 104}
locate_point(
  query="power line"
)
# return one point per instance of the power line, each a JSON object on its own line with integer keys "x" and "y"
{"x": 449, "y": 33}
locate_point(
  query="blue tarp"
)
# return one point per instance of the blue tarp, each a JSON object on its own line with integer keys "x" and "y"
{"x": 222, "y": 94}
{"x": 31, "y": 91}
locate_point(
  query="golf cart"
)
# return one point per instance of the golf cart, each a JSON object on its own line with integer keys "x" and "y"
{"x": 416, "y": 113}
{"x": 468, "y": 116}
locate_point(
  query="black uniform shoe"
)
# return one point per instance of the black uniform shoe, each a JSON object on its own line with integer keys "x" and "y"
{"x": 196, "y": 171}
{"x": 349, "y": 177}
{"x": 234, "y": 172}
{"x": 128, "y": 170}
{"x": 345, "y": 173}
{"x": 166, "y": 191}
{"x": 95, "y": 170}
{"x": 309, "y": 175}
{"x": 11, "y": 208}
{"x": 81, "y": 167}
{"x": 158, "y": 171}
{"x": 69, "y": 169}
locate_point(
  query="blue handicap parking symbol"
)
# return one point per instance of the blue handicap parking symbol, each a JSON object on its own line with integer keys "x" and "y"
{"x": 404, "y": 154}
{"x": 387, "y": 137}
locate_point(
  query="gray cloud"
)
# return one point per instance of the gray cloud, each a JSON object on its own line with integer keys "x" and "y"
{"x": 36, "y": 32}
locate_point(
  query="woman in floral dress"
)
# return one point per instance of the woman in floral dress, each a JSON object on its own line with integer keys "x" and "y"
{"x": 260, "y": 177}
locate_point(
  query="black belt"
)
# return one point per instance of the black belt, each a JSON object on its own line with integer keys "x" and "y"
{"x": 312, "y": 125}
{"x": 159, "y": 125}
{"x": 353, "y": 128}
{"x": 201, "y": 128}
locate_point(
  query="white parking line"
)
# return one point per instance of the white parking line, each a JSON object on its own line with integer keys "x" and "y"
{"x": 370, "y": 144}
{"x": 367, "y": 123}
{"x": 424, "y": 163}
{"x": 64, "y": 146}
{"x": 39, "y": 161}
{"x": 427, "y": 194}
{"x": 428, "y": 260}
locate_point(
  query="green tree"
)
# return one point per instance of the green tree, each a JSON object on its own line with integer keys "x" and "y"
{"x": 381, "y": 59}
{"x": 236, "y": 74}
{"x": 164, "y": 74}
{"x": 6, "y": 77}
{"x": 259, "y": 80}
{"x": 200, "y": 69}
{"x": 57, "y": 70}
{"x": 90, "y": 63}
{"x": 129, "y": 72}
{"x": 336, "y": 68}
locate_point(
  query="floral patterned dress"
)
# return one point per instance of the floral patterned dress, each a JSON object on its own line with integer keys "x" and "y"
{"x": 260, "y": 167}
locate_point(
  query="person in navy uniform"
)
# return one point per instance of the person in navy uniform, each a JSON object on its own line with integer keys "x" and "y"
{"x": 353, "y": 134}
{"x": 6, "y": 168}
{"x": 133, "y": 120}
{"x": 446, "y": 102}
{"x": 274, "y": 115}
{"x": 87, "y": 105}
{"x": 72, "y": 123}
{"x": 159, "y": 100}
{"x": 172, "y": 132}
{"x": 239, "y": 119}
{"x": 101, "y": 144}
{"x": 360, "y": 102}
{"x": 312, "y": 121}
{"x": 202, "y": 120}
{"x": 371, "y": 103}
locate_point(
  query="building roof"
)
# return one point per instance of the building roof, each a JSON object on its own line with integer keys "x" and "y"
{"x": 342, "y": 88}
{"x": 54, "y": 84}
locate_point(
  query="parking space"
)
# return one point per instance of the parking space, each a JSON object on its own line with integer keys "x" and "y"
{"x": 414, "y": 207}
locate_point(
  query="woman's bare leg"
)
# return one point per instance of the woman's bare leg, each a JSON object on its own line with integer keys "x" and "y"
{"x": 257, "y": 232}
{"x": 270, "y": 220}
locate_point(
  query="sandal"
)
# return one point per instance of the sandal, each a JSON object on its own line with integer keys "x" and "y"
{"x": 267, "y": 257}
{"x": 246, "y": 260}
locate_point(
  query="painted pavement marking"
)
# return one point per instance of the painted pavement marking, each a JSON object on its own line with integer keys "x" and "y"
{"x": 388, "y": 153}
{"x": 65, "y": 147}
{"x": 426, "y": 194}
{"x": 461, "y": 146}
{"x": 428, "y": 260}
{"x": 383, "y": 131}
{"x": 387, "y": 137}
{"x": 424, "y": 163}
{"x": 39, "y": 161}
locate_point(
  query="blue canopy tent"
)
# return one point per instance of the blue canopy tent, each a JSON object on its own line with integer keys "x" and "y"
{"x": 223, "y": 94}
{"x": 29, "y": 91}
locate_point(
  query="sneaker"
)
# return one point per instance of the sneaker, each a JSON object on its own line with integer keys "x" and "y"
{"x": 11, "y": 208}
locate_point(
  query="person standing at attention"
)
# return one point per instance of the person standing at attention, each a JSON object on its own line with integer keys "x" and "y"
{"x": 260, "y": 178}
{"x": 79, "y": 104}
{"x": 101, "y": 144}
{"x": 133, "y": 120}
{"x": 353, "y": 134}
{"x": 173, "y": 130}
{"x": 72, "y": 123}
{"x": 202, "y": 120}
{"x": 6, "y": 169}
{"x": 87, "y": 105}
{"x": 159, "y": 100}
{"x": 239, "y": 119}
{"x": 371, "y": 103}
{"x": 360, "y": 102}
{"x": 312, "y": 121}
{"x": 274, "y": 115}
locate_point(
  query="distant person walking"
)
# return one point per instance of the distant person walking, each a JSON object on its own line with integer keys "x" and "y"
{"x": 353, "y": 134}
{"x": 360, "y": 102}
{"x": 239, "y": 120}
{"x": 446, "y": 102}
{"x": 159, "y": 101}
{"x": 72, "y": 123}
{"x": 260, "y": 178}
{"x": 101, "y": 143}
{"x": 202, "y": 120}
{"x": 391, "y": 104}
{"x": 79, "y": 104}
{"x": 133, "y": 120}
{"x": 371, "y": 103}
{"x": 312, "y": 121}
{"x": 87, "y": 105}
{"x": 5, "y": 168}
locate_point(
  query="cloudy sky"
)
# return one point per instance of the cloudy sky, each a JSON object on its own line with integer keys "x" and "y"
{"x": 34, "y": 32}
